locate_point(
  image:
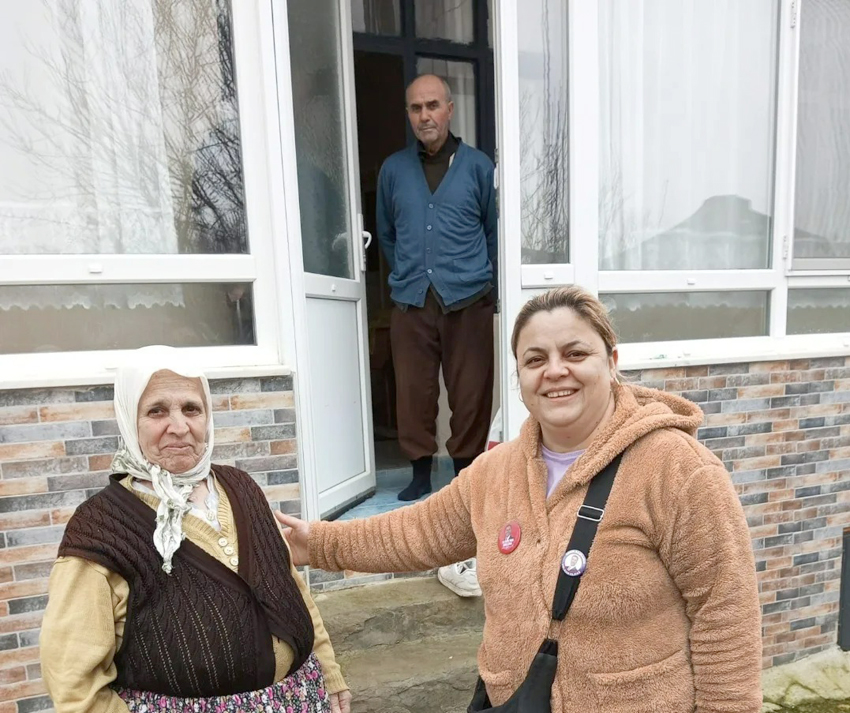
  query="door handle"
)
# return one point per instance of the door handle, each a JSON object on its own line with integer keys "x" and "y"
{"x": 367, "y": 237}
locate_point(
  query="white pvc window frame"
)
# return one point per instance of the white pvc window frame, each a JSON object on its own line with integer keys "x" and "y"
{"x": 520, "y": 282}
{"x": 256, "y": 81}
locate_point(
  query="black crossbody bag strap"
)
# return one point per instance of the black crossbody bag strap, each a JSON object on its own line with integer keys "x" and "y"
{"x": 533, "y": 695}
{"x": 589, "y": 516}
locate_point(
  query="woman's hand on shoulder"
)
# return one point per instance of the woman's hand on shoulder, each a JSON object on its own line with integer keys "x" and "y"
{"x": 296, "y": 532}
{"x": 341, "y": 702}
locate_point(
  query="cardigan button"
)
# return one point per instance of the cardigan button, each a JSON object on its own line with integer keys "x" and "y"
{"x": 229, "y": 550}
{"x": 234, "y": 561}
{"x": 222, "y": 542}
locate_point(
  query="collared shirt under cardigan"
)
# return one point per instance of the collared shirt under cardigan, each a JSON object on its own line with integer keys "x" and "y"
{"x": 446, "y": 239}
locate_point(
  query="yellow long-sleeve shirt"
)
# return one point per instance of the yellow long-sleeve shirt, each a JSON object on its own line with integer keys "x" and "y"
{"x": 87, "y": 609}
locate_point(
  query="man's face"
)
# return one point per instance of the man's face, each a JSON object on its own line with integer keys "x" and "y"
{"x": 429, "y": 112}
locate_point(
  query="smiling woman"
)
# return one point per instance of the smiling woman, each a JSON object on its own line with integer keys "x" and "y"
{"x": 660, "y": 599}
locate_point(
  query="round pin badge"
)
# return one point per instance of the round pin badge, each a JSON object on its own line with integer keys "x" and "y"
{"x": 509, "y": 537}
{"x": 574, "y": 563}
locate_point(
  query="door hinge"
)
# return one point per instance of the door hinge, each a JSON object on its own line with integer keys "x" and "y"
{"x": 785, "y": 247}
{"x": 794, "y": 10}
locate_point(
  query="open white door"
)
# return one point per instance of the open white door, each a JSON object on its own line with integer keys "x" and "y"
{"x": 318, "y": 133}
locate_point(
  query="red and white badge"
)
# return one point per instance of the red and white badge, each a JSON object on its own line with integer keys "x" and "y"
{"x": 509, "y": 537}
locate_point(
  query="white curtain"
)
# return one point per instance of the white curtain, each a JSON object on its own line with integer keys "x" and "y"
{"x": 686, "y": 129}
{"x": 446, "y": 19}
{"x": 461, "y": 79}
{"x": 83, "y": 160}
{"x": 822, "y": 213}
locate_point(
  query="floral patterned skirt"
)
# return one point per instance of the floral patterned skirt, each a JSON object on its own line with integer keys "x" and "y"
{"x": 302, "y": 692}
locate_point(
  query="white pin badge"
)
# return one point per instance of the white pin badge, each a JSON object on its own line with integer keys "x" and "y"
{"x": 574, "y": 563}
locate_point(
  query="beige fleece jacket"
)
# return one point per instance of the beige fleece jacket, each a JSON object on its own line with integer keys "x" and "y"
{"x": 667, "y": 616}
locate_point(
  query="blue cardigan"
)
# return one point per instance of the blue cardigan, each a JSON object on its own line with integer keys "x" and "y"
{"x": 446, "y": 239}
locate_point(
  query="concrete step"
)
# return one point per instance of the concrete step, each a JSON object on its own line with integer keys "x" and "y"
{"x": 405, "y": 646}
{"x": 396, "y": 611}
{"x": 429, "y": 676}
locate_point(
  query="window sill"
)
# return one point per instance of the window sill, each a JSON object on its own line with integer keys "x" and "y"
{"x": 732, "y": 351}
{"x": 103, "y": 377}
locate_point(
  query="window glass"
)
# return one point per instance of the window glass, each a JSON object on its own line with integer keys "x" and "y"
{"x": 320, "y": 138}
{"x": 461, "y": 79}
{"x": 376, "y": 17}
{"x": 67, "y": 318}
{"x": 675, "y": 316}
{"x": 544, "y": 131}
{"x": 687, "y": 110}
{"x": 822, "y": 211}
{"x": 445, "y": 20}
{"x": 119, "y": 129}
{"x": 818, "y": 311}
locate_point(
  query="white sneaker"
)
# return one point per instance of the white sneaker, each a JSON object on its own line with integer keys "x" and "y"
{"x": 461, "y": 578}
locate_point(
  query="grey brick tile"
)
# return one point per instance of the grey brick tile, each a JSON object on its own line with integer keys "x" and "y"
{"x": 33, "y": 705}
{"x": 92, "y": 446}
{"x": 256, "y": 465}
{"x": 42, "y": 501}
{"x": 45, "y": 432}
{"x": 712, "y": 432}
{"x": 717, "y": 369}
{"x": 817, "y": 422}
{"x": 34, "y": 397}
{"x": 83, "y": 481}
{"x": 228, "y": 419}
{"x": 49, "y": 466}
{"x": 744, "y": 405}
{"x": 806, "y": 623}
{"x": 231, "y": 451}
{"x": 806, "y": 457}
{"x": 835, "y": 397}
{"x": 809, "y": 387}
{"x": 235, "y": 386}
{"x": 749, "y": 429}
{"x": 29, "y": 638}
{"x": 94, "y": 393}
{"x": 276, "y": 383}
{"x": 34, "y": 536}
{"x": 284, "y": 415}
{"x": 27, "y": 604}
{"x": 104, "y": 428}
{"x": 280, "y": 432}
{"x": 283, "y": 477}
{"x": 758, "y": 379}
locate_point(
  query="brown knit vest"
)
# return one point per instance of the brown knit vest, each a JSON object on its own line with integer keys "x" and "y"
{"x": 203, "y": 630}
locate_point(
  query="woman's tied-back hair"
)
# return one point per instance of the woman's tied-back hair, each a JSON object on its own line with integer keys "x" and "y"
{"x": 580, "y": 301}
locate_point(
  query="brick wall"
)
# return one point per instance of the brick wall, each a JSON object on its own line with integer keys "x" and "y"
{"x": 782, "y": 428}
{"x": 56, "y": 446}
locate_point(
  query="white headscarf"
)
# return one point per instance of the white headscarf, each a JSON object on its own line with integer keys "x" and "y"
{"x": 173, "y": 489}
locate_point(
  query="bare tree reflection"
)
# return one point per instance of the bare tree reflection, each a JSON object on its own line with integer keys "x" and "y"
{"x": 167, "y": 125}
{"x": 545, "y": 168}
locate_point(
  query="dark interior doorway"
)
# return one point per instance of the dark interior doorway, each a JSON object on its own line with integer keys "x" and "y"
{"x": 379, "y": 79}
{"x": 389, "y": 54}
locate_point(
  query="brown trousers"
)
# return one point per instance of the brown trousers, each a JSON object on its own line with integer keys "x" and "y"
{"x": 462, "y": 341}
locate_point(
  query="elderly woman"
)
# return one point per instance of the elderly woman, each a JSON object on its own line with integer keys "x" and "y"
{"x": 174, "y": 589}
{"x": 607, "y": 488}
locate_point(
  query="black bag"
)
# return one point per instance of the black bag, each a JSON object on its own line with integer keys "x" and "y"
{"x": 535, "y": 693}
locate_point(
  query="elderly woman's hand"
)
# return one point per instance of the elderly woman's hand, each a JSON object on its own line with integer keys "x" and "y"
{"x": 341, "y": 702}
{"x": 296, "y": 532}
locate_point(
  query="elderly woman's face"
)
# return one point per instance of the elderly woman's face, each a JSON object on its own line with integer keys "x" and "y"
{"x": 172, "y": 421}
{"x": 565, "y": 373}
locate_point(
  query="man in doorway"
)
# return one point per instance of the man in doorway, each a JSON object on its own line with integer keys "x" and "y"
{"x": 436, "y": 217}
